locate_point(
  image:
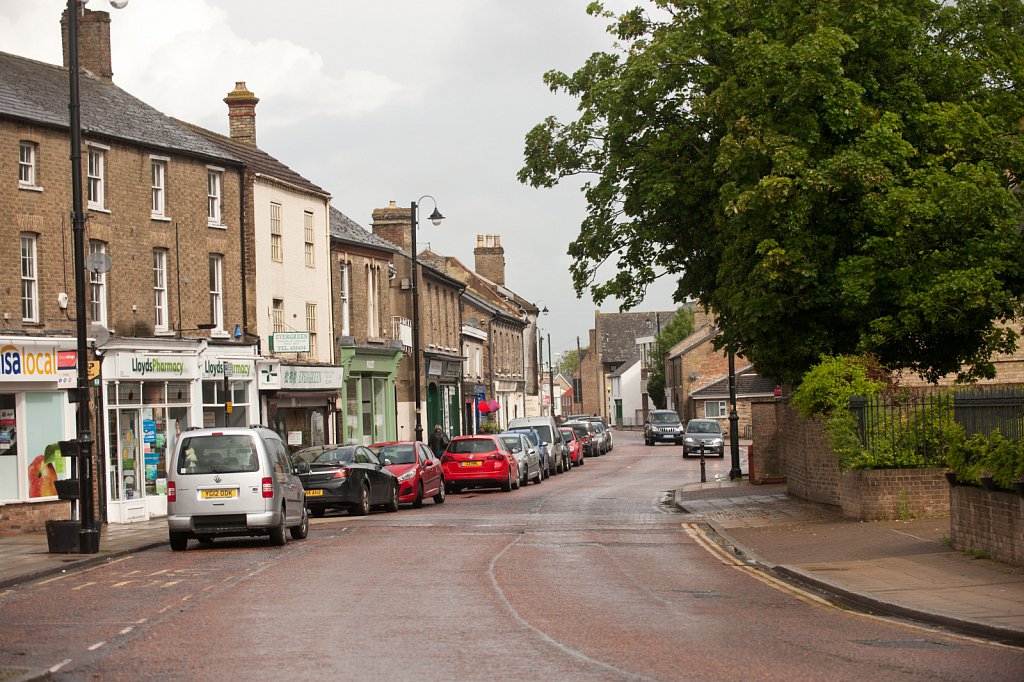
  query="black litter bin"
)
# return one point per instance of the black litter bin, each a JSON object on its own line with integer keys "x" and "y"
{"x": 67, "y": 489}
{"x": 62, "y": 536}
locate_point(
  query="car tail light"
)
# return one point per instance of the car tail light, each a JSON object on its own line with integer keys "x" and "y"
{"x": 172, "y": 492}
{"x": 496, "y": 456}
{"x": 268, "y": 487}
{"x": 447, "y": 459}
{"x": 340, "y": 473}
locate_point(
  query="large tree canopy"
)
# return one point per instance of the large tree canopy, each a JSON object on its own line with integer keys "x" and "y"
{"x": 827, "y": 176}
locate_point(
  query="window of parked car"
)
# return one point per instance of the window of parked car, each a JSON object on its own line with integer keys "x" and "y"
{"x": 468, "y": 446}
{"x": 339, "y": 455}
{"x": 218, "y": 454}
{"x": 399, "y": 453}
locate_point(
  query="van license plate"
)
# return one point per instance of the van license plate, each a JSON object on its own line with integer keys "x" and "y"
{"x": 314, "y": 493}
{"x": 218, "y": 493}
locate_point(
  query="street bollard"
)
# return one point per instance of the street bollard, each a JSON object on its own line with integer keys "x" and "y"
{"x": 703, "y": 476}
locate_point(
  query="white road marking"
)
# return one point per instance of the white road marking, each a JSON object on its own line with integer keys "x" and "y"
{"x": 96, "y": 646}
{"x": 60, "y": 665}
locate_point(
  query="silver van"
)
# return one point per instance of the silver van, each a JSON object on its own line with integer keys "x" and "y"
{"x": 551, "y": 440}
{"x": 233, "y": 481}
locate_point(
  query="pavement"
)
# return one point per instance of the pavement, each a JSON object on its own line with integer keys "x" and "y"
{"x": 899, "y": 568}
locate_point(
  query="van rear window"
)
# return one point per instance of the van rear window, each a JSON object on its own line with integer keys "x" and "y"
{"x": 219, "y": 454}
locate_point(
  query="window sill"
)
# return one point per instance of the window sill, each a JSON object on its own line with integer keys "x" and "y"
{"x": 30, "y": 188}
{"x": 219, "y": 334}
{"x": 217, "y": 226}
{"x": 160, "y": 218}
{"x": 164, "y": 332}
{"x": 99, "y": 209}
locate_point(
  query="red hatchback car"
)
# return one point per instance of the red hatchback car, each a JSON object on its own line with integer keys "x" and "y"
{"x": 418, "y": 471}
{"x": 575, "y": 445}
{"x": 479, "y": 461}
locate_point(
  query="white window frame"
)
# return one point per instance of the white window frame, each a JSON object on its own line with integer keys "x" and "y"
{"x": 722, "y": 409}
{"x": 311, "y": 329}
{"x": 214, "y": 196}
{"x": 276, "y": 239}
{"x": 307, "y": 231}
{"x": 277, "y": 315}
{"x": 217, "y": 291}
{"x": 343, "y": 296}
{"x": 372, "y": 301}
{"x": 97, "y": 287}
{"x": 29, "y": 278}
{"x": 28, "y": 151}
{"x": 160, "y": 308}
{"x": 158, "y": 181}
{"x": 96, "y": 173}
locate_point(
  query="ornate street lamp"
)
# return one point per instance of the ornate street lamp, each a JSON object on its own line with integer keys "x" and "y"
{"x": 436, "y": 219}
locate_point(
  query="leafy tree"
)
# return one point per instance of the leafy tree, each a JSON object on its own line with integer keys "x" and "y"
{"x": 674, "y": 331}
{"x": 829, "y": 176}
{"x": 569, "y": 362}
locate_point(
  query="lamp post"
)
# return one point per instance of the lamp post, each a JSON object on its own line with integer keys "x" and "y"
{"x": 436, "y": 219}
{"x": 734, "y": 421}
{"x": 540, "y": 357}
{"x": 89, "y": 536}
{"x": 551, "y": 378}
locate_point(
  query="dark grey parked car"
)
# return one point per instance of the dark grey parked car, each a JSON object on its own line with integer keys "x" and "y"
{"x": 663, "y": 425}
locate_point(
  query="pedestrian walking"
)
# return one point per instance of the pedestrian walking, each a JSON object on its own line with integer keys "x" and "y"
{"x": 438, "y": 441}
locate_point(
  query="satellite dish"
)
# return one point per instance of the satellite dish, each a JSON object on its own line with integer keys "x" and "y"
{"x": 97, "y": 263}
{"x": 98, "y": 334}
{"x": 473, "y": 322}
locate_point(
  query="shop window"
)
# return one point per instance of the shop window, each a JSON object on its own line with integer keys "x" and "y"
{"x": 179, "y": 392}
{"x": 129, "y": 393}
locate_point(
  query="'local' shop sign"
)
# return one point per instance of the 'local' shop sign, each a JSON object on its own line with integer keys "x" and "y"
{"x": 35, "y": 362}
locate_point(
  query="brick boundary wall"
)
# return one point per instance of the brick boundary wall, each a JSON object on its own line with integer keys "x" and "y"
{"x": 24, "y": 517}
{"x": 890, "y": 494}
{"x": 812, "y": 469}
{"x": 765, "y": 462}
{"x": 989, "y": 521}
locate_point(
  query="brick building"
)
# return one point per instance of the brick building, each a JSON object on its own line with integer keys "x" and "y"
{"x": 372, "y": 339}
{"x": 287, "y": 293}
{"x": 440, "y": 332}
{"x": 163, "y": 231}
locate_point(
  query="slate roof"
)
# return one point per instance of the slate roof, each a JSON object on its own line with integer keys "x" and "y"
{"x": 257, "y": 160}
{"x": 618, "y": 332}
{"x": 38, "y": 93}
{"x": 748, "y": 384}
{"x": 345, "y": 229}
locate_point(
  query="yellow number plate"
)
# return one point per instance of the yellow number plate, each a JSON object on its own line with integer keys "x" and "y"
{"x": 314, "y": 493}
{"x": 218, "y": 493}
{"x": 471, "y": 464}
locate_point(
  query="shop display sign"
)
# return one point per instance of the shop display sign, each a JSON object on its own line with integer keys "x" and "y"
{"x": 289, "y": 342}
{"x": 296, "y": 377}
{"x": 30, "y": 361}
{"x": 236, "y": 369}
{"x": 268, "y": 378}
{"x": 144, "y": 366}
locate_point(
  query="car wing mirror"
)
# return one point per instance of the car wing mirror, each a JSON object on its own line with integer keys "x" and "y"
{"x": 387, "y": 462}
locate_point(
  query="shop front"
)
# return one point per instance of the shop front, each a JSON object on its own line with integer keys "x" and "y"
{"x": 368, "y": 402}
{"x": 510, "y": 396}
{"x": 301, "y": 401}
{"x": 229, "y": 386}
{"x": 444, "y": 376}
{"x": 34, "y": 415}
{"x": 147, "y": 398}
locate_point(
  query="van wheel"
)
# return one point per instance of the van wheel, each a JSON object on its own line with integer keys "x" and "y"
{"x": 179, "y": 541}
{"x": 300, "y": 531}
{"x": 277, "y": 536}
{"x": 362, "y": 508}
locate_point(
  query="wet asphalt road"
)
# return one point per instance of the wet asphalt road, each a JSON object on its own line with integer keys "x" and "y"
{"x": 587, "y": 576}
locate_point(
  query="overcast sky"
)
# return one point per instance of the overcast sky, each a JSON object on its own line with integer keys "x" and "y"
{"x": 378, "y": 100}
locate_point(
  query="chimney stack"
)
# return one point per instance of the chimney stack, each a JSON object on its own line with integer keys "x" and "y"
{"x": 490, "y": 258}
{"x": 93, "y": 43}
{"x": 242, "y": 114}
{"x": 393, "y": 224}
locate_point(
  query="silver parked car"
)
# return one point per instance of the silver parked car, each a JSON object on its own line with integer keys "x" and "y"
{"x": 233, "y": 481}
{"x": 527, "y": 455}
{"x": 551, "y": 440}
